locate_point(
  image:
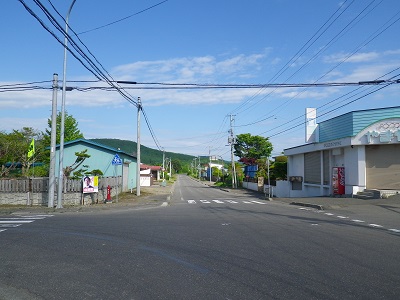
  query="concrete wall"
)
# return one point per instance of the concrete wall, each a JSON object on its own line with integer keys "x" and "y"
{"x": 41, "y": 198}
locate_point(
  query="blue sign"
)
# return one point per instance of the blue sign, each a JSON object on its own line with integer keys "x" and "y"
{"x": 116, "y": 160}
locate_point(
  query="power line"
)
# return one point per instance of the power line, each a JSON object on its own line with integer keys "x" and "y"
{"x": 120, "y": 20}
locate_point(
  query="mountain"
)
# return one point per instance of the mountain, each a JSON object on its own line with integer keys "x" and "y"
{"x": 148, "y": 155}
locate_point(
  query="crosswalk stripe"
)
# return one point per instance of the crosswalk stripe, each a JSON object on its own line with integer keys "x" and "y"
{"x": 258, "y": 202}
{"x": 191, "y": 201}
{"x": 16, "y": 221}
{"x": 19, "y": 220}
{"x": 218, "y": 201}
{"x": 205, "y": 201}
{"x": 10, "y": 225}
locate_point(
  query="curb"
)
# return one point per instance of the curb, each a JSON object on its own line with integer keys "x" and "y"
{"x": 316, "y": 206}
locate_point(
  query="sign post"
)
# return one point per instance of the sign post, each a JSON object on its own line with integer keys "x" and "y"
{"x": 116, "y": 162}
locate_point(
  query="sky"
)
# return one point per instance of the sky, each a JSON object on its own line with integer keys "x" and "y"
{"x": 279, "y": 49}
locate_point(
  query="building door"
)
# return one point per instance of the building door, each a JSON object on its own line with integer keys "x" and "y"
{"x": 383, "y": 166}
{"x": 125, "y": 177}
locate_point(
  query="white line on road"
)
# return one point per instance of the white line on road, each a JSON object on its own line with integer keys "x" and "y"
{"x": 375, "y": 225}
{"x": 231, "y": 201}
{"x": 258, "y": 202}
{"x": 329, "y": 214}
{"x": 191, "y": 201}
{"x": 205, "y": 201}
{"x": 10, "y": 225}
{"x": 358, "y": 221}
{"x": 218, "y": 201}
{"x": 16, "y": 221}
{"x": 395, "y": 230}
{"x": 342, "y": 217}
{"x": 248, "y": 202}
{"x": 1, "y": 230}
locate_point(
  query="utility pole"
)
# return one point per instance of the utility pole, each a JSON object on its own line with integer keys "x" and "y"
{"x": 170, "y": 168}
{"x": 139, "y": 107}
{"x": 163, "y": 165}
{"x": 199, "y": 169}
{"x": 209, "y": 153}
{"x": 62, "y": 125}
{"x": 52, "y": 171}
{"x": 231, "y": 141}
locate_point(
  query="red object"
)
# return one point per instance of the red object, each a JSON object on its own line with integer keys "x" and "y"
{"x": 338, "y": 181}
{"x": 109, "y": 194}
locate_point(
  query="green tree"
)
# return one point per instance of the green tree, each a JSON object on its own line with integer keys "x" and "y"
{"x": 71, "y": 130}
{"x": 14, "y": 149}
{"x": 80, "y": 158}
{"x": 279, "y": 168}
{"x": 249, "y": 148}
{"x": 177, "y": 165}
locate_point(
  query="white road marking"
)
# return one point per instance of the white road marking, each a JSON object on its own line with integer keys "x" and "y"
{"x": 16, "y": 221}
{"x": 10, "y": 225}
{"x": 375, "y": 225}
{"x": 329, "y": 214}
{"x": 231, "y": 201}
{"x": 342, "y": 217}
{"x": 258, "y": 202}
{"x": 205, "y": 201}
{"x": 248, "y": 202}
{"x": 218, "y": 201}
{"x": 191, "y": 201}
{"x": 394, "y": 230}
{"x": 358, "y": 221}
{"x": 20, "y": 220}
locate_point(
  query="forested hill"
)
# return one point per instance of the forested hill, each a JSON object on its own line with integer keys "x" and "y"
{"x": 148, "y": 156}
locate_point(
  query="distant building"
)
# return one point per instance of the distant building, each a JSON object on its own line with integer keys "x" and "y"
{"x": 148, "y": 174}
{"x": 355, "y": 151}
{"x": 101, "y": 158}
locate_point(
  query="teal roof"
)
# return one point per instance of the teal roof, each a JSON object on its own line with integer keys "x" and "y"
{"x": 350, "y": 124}
{"x": 94, "y": 144}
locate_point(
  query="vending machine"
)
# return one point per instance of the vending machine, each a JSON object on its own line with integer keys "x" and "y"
{"x": 338, "y": 181}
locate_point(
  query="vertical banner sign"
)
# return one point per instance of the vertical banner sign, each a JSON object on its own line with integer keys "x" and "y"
{"x": 311, "y": 124}
{"x": 90, "y": 184}
{"x": 338, "y": 181}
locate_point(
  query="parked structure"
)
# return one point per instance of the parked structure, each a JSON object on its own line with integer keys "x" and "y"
{"x": 347, "y": 154}
{"x": 101, "y": 158}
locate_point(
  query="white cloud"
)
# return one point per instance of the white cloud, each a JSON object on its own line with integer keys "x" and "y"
{"x": 355, "y": 58}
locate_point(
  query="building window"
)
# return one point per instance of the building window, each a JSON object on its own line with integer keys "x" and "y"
{"x": 312, "y": 167}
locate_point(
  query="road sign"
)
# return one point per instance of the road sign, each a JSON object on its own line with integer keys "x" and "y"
{"x": 116, "y": 160}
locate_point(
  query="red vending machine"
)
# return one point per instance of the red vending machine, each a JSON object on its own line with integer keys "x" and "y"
{"x": 338, "y": 181}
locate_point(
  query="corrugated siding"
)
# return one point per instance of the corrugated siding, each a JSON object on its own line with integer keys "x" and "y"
{"x": 352, "y": 123}
{"x": 363, "y": 119}
{"x": 312, "y": 167}
{"x": 336, "y": 128}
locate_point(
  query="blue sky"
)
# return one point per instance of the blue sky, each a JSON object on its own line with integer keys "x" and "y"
{"x": 203, "y": 42}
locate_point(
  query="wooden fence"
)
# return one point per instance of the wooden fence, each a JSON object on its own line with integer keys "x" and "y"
{"x": 41, "y": 184}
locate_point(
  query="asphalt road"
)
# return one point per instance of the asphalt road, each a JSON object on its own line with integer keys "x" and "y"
{"x": 206, "y": 244}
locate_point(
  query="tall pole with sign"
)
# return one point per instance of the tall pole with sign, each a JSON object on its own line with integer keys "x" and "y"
{"x": 116, "y": 162}
{"x": 139, "y": 107}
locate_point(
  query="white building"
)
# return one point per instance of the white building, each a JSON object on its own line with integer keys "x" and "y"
{"x": 365, "y": 143}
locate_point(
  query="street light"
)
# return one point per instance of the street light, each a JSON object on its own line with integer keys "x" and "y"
{"x": 62, "y": 125}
